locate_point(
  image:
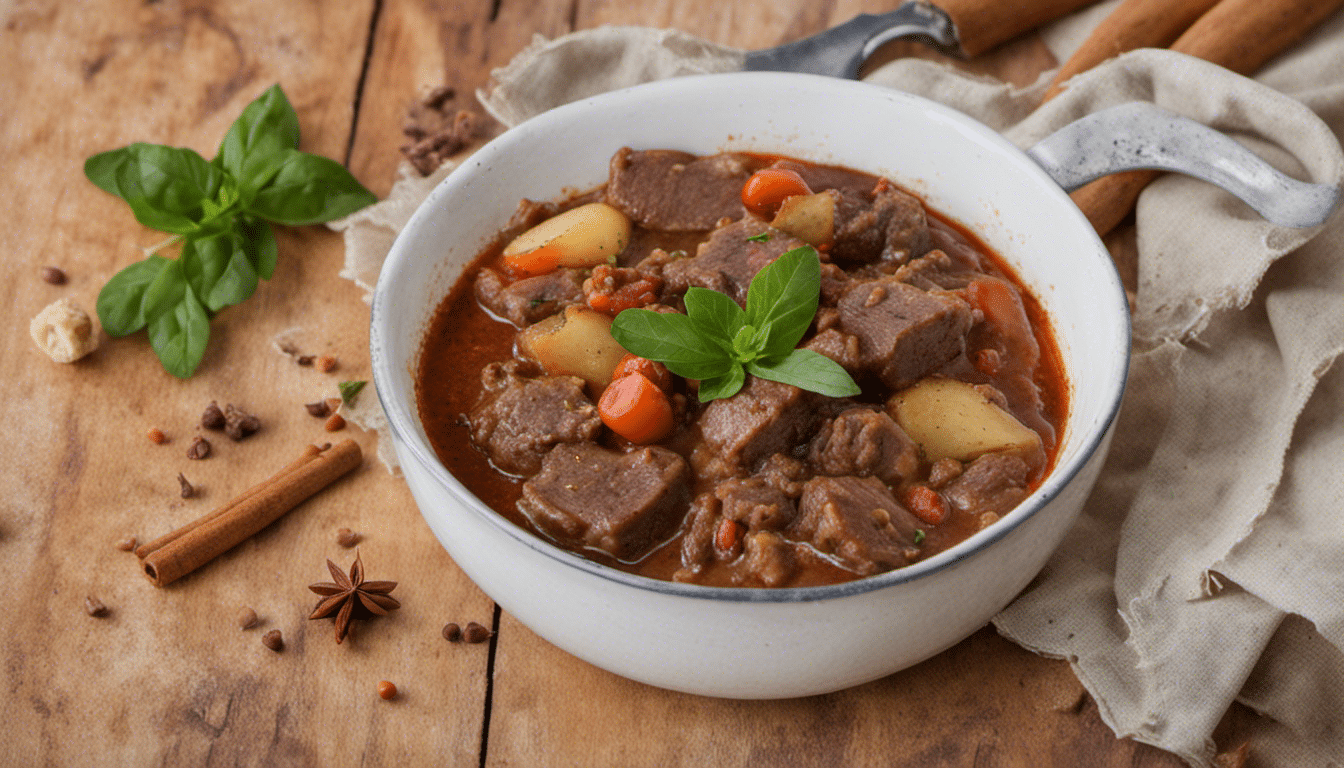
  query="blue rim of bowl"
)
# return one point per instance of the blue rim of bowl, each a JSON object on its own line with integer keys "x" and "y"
{"x": 401, "y": 419}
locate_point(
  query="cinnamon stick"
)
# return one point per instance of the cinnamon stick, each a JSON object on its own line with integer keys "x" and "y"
{"x": 309, "y": 453}
{"x": 202, "y": 541}
{"x": 1240, "y": 35}
{"x": 1133, "y": 24}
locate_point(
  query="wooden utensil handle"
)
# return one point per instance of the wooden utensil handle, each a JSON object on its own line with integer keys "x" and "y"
{"x": 1134, "y": 24}
{"x": 1244, "y": 34}
{"x": 984, "y": 24}
{"x": 1240, "y": 35}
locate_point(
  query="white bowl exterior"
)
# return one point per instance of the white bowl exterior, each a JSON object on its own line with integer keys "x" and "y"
{"x": 792, "y": 642}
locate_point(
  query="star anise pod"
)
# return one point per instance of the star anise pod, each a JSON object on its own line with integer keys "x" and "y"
{"x": 351, "y": 597}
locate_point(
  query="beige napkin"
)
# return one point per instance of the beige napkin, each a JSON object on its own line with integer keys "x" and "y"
{"x": 1208, "y": 565}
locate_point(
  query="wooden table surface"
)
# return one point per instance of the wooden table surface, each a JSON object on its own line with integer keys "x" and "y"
{"x": 167, "y": 677}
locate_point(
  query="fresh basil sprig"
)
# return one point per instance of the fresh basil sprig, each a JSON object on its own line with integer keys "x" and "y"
{"x": 718, "y": 342}
{"x": 221, "y": 213}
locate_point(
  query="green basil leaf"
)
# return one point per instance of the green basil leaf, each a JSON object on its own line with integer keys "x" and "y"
{"x": 722, "y": 386}
{"x": 808, "y": 370}
{"x": 254, "y": 148}
{"x": 219, "y": 270}
{"x": 349, "y": 391}
{"x": 309, "y": 189}
{"x": 714, "y": 315}
{"x": 783, "y": 299}
{"x": 179, "y": 336}
{"x": 165, "y": 186}
{"x": 671, "y": 339}
{"x": 121, "y": 301}
{"x": 260, "y": 243}
{"x": 164, "y": 292}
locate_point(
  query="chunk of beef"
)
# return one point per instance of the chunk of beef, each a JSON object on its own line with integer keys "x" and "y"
{"x": 697, "y": 545}
{"x": 903, "y": 333}
{"x": 622, "y": 504}
{"x": 887, "y": 225}
{"x": 767, "y": 559}
{"x": 858, "y": 522}
{"x": 785, "y": 473}
{"x": 933, "y": 271}
{"x": 729, "y": 259}
{"x": 526, "y": 301}
{"x": 521, "y": 415}
{"x": 864, "y": 442}
{"x": 755, "y": 503}
{"x": 994, "y": 483}
{"x": 763, "y": 418}
{"x": 670, "y": 190}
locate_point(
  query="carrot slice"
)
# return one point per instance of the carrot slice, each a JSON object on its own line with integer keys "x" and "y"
{"x": 636, "y": 409}
{"x": 926, "y": 504}
{"x": 653, "y": 371}
{"x": 767, "y": 188}
{"x": 538, "y": 261}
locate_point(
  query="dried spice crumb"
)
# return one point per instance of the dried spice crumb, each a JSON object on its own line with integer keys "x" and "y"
{"x": 213, "y": 417}
{"x": 451, "y": 632}
{"x": 325, "y": 363}
{"x": 274, "y": 640}
{"x": 320, "y": 409}
{"x": 238, "y": 423}
{"x": 387, "y": 689}
{"x": 127, "y": 544}
{"x": 304, "y": 360}
{"x": 156, "y": 436}
{"x": 53, "y": 275}
{"x": 200, "y": 448}
{"x": 475, "y": 633}
{"x": 94, "y": 607}
{"x": 247, "y": 618}
{"x": 335, "y": 423}
{"x": 347, "y": 538}
{"x": 188, "y": 490}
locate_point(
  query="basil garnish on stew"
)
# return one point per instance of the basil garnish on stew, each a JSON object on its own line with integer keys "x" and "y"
{"x": 718, "y": 342}
{"x": 220, "y": 211}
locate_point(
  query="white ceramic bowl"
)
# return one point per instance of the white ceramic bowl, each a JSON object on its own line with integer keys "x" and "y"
{"x": 783, "y": 642}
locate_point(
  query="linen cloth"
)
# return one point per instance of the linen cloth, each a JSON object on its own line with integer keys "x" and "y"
{"x": 1208, "y": 564}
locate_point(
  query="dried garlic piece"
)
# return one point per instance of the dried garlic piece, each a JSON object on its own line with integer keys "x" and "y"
{"x": 63, "y": 331}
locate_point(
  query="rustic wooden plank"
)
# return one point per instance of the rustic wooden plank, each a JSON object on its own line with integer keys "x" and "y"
{"x": 167, "y": 677}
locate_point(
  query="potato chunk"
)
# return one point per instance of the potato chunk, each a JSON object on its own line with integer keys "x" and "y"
{"x": 586, "y": 236}
{"x": 950, "y": 419}
{"x": 810, "y": 218}
{"x": 576, "y": 342}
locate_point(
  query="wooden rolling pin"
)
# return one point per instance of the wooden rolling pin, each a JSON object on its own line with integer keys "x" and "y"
{"x": 984, "y": 24}
{"x": 1240, "y": 35}
{"x": 1133, "y": 24}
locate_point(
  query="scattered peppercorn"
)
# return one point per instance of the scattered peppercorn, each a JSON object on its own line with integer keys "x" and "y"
{"x": 451, "y": 632}
{"x": 273, "y": 640}
{"x": 247, "y": 618}
{"x": 188, "y": 490}
{"x": 156, "y": 436}
{"x": 304, "y": 360}
{"x": 387, "y": 689}
{"x": 475, "y": 633}
{"x": 200, "y": 448}
{"x": 325, "y": 363}
{"x": 94, "y": 607}
{"x": 238, "y": 423}
{"x": 53, "y": 275}
{"x": 127, "y": 544}
{"x": 335, "y": 423}
{"x": 319, "y": 409}
{"x": 213, "y": 418}
{"x": 347, "y": 538}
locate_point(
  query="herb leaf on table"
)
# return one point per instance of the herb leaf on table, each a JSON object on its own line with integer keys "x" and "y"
{"x": 221, "y": 213}
{"x": 718, "y": 342}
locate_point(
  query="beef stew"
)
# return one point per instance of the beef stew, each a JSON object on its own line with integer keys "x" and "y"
{"x": 960, "y": 393}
